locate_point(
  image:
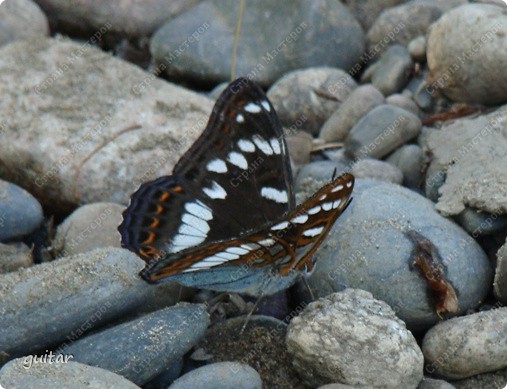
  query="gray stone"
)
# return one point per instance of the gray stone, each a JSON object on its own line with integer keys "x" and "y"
{"x": 377, "y": 170}
{"x": 141, "y": 349}
{"x": 15, "y": 374}
{"x": 500, "y": 282}
{"x": 123, "y": 18}
{"x": 88, "y": 227}
{"x": 417, "y": 48}
{"x": 392, "y": 71}
{"x": 466, "y": 346}
{"x": 59, "y": 301}
{"x": 481, "y": 223}
{"x": 496, "y": 379}
{"x": 310, "y": 96}
{"x": 467, "y": 70}
{"x": 350, "y": 337}
{"x": 133, "y": 127}
{"x": 409, "y": 159}
{"x": 319, "y": 170}
{"x": 20, "y": 212}
{"x": 14, "y": 256}
{"x": 21, "y": 19}
{"x": 275, "y": 38}
{"x": 381, "y": 131}
{"x": 366, "y": 11}
{"x": 374, "y": 228}
{"x": 463, "y": 150}
{"x": 433, "y": 183}
{"x": 360, "y": 101}
{"x": 400, "y": 24}
{"x": 405, "y": 102}
{"x": 221, "y": 375}
{"x": 299, "y": 144}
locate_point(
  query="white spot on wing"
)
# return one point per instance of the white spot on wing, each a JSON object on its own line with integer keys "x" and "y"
{"x": 280, "y": 226}
{"x": 349, "y": 184}
{"x": 237, "y": 159}
{"x": 327, "y": 206}
{"x": 262, "y": 144}
{"x": 182, "y": 241}
{"x": 186, "y": 229}
{"x": 336, "y": 203}
{"x": 246, "y": 146}
{"x": 217, "y": 166}
{"x": 195, "y": 222}
{"x": 238, "y": 250}
{"x": 301, "y": 219}
{"x": 240, "y": 118}
{"x": 337, "y": 188}
{"x": 199, "y": 209}
{"x": 267, "y": 242}
{"x": 275, "y": 146}
{"x": 313, "y": 231}
{"x": 266, "y": 106}
{"x": 314, "y": 210}
{"x": 215, "y": 192}
{"x": 227, "y": 256}
{"x": 279, "y": 196}
{"x": 252, "y": 108}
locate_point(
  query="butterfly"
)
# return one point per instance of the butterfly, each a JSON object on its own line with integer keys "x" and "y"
{"x": 226, "y": 219}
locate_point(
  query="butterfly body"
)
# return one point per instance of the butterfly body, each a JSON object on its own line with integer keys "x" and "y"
{"x": 226, "y": 219}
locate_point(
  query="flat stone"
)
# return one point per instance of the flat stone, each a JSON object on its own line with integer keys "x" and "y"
{"x": 275, "y": 38}
{"x": 466, "y": 346}
{"x": 19, "y": 373}
{"x": 359, "y": 102}
{"x": 392, "y": 71}
{"x": 133, "y": 127}
{"x": 351, "y": 338}
{"x": 59, "y": 301}
{"x": 377, "y": 170}
{"x": 381, "y": 131}
{"x": 141, "y": 349}
{"x": 409, "y": 159}
{"x": 405, "y": 102}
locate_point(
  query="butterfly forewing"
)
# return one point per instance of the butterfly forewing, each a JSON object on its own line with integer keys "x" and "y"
{"x": 287, "y": 244}
{"x": 235, "y": 178}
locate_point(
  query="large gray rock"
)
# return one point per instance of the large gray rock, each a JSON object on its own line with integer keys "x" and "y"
{"x": 468, "y": 69}
{"x": 141, "y": 349}
{"x": 276, "y": 37}
{"x": 368, "y": 248}
{"x": 82, "y": 126}
{"x": 500, "y": 284}
{"x": 59, "y": 301}
{"x": 351, "y": 338}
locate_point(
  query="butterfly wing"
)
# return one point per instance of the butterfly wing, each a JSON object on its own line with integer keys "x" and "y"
{"x": 235, "y": 178}
{"x": 288, "y": 244}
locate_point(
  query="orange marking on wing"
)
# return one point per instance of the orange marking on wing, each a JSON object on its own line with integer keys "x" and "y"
{"x": 177, "y": 188}
{"x": 150, "y": 238}
{"x": 164, "y": 196}
{"x": 155, "y": 222}
{"x": 159, "y": 209}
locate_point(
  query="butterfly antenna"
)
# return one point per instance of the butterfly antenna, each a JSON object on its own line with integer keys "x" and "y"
{"x": 251, "y": 313}
{"x": 334, "y": 174}
{"x": 236, "y": 39}
{"x": 308, "y": 285}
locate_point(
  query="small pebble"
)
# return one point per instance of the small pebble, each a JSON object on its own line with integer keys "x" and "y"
{"x": 393, "y": 70}
{"x": 377, "y": 170}
{"x": 409, "y": 159}
{"x": 417, "y": 48}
